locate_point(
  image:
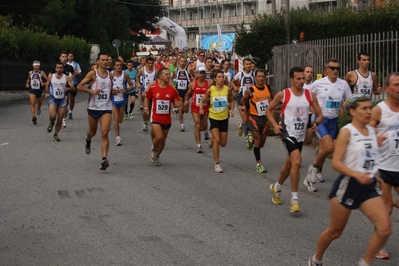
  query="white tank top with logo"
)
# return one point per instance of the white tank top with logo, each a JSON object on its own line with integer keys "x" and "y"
{"x": 361, "y": 153}
{"x": 119, "y": 83}
{"x": 389, "y": 149}
{"x": 148, "y": 77}
{"x": 364, "y": 84}
{"x": 102, "y": 101}
{"x": 57, "y": 87}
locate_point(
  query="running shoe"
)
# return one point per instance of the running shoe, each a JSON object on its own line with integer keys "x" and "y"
{"x": 250, "y": 141}
{"x": 319, "y": 176}
{"x": 218, "y": 169}
{"x": 145, "y": 127}
{"x": 382, "y": 254}
{"x": 210, "y": 142}
{"x": 34, "y": 120}
{"x": 260, "y": 168}
{"x": 152, "y": 157}
{"x": 312, "y": 263}
{"x": 131, "y": 116}
{"x": 174, "y": 112}
{"x": 312, "y": 174}
{"x": 294, "y": 205}
{"x": 141, "y": 107}
{"x": 157, "y": 162}
{"x": 276, "y": 194}
{"x": 38, "y": 111}
{"x": 70, "y": 115}
{"x": 310, "y": 186}
{"x": 56, "y": 138}
{"x": 104, "y": 164}
{"x": 199, "y": 149}
{"x": 118, "y": 141}
{"x": 50, "y": 127}
{"x": 182, "y": 128}
{"x": 239, "y": 129}
{"x": 88, "y": 146}
{"x": 125, "y": 117}
{"x": 63, "y": 123}
{"x": 206, "y": 135}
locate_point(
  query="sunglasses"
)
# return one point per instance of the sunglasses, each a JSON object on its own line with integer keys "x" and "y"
{"x": 334, "y": 68}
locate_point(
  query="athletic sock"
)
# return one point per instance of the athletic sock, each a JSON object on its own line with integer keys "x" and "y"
{"x": 257, "y": 153}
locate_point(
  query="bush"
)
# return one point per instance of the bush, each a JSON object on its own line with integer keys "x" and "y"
{"x": 28, "y": 44}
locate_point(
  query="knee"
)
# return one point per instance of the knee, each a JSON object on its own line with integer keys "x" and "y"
{"x": 327, "y": 148}
{"x": 383, "y": 231}
{"x": 296, "y": 163}
{"x": 104, "y": 134}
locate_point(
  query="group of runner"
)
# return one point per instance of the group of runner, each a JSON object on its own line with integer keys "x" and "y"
{"x": 365, "y": 151}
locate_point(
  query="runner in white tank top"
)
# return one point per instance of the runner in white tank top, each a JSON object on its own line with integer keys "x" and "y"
{"x": 99, "y": 107}
{"x": 356, "y": 159}
{"x": 296, "y": 103}
{"x": 362, "y": 79}
{"x": 385, "y": 118}
{"x": 56, "y": 89}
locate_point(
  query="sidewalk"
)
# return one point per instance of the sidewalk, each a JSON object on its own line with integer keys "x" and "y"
{"x": 15, "y": 95}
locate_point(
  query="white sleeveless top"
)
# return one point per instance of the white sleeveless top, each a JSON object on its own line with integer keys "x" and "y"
{"x": 57, "y": 87}
{"x": 364, "y": 84}
{"x": 389, "y": 150}
{"x": 148, "y": 77}
{"x": 102, "y": 101}
{"x": 119, "y": 83}
{"x": 361, "y": 154}
{"x": 295, "y": 114}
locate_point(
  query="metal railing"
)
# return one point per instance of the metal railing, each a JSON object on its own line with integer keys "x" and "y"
{"x": 382, "y": 47}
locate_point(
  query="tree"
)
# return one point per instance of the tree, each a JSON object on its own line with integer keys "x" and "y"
{"x": 98, "y": 21}
{"x": 258, "y": 41}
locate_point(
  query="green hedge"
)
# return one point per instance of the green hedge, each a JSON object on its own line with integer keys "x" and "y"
{"x": 28, "y": 44}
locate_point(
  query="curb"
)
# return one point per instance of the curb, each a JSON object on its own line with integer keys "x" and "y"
{"x": 13, "y": 96}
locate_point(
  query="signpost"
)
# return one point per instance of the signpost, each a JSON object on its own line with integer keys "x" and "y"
{"x": 116, "y": 43}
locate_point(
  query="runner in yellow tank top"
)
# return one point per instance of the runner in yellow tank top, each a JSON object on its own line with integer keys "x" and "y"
{"x": 221, "y": 102}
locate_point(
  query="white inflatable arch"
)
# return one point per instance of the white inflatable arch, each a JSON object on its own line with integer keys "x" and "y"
{"x": 174, "y": 29}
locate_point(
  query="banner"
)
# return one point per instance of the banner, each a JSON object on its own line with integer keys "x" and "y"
{"x": 174, "y": 29}
{"x": 211, "y": 41}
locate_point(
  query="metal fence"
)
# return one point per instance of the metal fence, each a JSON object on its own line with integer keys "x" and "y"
{"x": 13, "y": 74}
{"x": 382, "y": 47}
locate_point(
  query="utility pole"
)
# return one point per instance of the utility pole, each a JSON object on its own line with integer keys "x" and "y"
{"x": 285, "y": 8}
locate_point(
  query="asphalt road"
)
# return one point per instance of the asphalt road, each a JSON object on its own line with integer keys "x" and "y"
{"x": 58, "y": 208}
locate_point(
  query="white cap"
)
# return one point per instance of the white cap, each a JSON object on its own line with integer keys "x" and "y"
{"x": 201, "y": 69}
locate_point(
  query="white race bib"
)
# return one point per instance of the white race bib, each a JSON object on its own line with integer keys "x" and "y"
{"x": 393, "y": 138}
{"x": 261, "y": 107}
{"x": 162, "y": 107}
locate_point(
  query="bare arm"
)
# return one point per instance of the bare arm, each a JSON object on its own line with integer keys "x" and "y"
{"x": 89, "y": 79}
{"x": 129, "y": 81}
{"x": 377, "y": 89}
{"x": 27, "y": 85}
{"x": 277, "y": 100}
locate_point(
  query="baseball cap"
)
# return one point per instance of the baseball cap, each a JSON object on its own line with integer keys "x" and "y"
{"x": 201, "y": 69}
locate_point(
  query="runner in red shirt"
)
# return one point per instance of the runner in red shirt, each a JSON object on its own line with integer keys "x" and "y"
{"x": 161, "y": 94}
{"x": 197, "y": 89}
